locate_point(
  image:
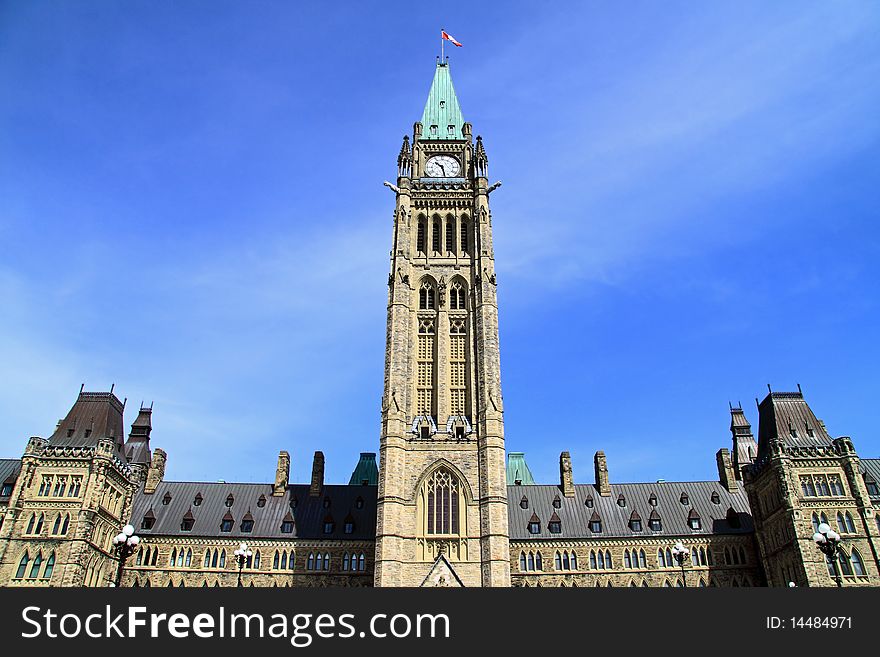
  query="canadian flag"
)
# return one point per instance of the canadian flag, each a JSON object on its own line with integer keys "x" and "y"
{"x": 444, "y": 35}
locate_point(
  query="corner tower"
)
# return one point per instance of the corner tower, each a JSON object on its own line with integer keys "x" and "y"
{"x": 442, "y": 487}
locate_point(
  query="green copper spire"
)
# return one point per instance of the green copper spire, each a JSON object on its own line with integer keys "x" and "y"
{"x": 518, "y": 470}
{"x": 442, "y": 109}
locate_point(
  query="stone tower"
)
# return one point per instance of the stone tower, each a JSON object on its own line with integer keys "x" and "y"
{"x": 442, "y": 483}
{"x": 800, "y": 478}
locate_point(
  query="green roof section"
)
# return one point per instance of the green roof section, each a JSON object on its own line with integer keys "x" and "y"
{"x": 518, "y": 470}
{"x": 442, "y": 109}
{"x": 366, "y": 473}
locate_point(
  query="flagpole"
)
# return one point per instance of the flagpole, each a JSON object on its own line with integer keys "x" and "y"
{"x": 441, "y": 45}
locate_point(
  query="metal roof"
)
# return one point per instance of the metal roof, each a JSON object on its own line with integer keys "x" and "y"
{"x": 94, "y": 415}
{"x": 871, "y": 470}
{"x": 787, "y": 416}
{"x": 309, "y": 513}
{"x": 575, "y": 514}
{"x": 442, "y": 109}
{"x": 366, "y": 471}
{"x": 518, "y": 469}
{"x": 9, "y": 469}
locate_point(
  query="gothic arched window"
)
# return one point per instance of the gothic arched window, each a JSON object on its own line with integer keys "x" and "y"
{"x": 442, "y": 491}
{"x": 427, "y": 297}
{"x": 463, "y": 232}
{"x": 450, "y": 234}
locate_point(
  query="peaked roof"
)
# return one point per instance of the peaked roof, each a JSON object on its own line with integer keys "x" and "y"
{"x": 442, "y": 574}
{"x": 518, "y": 470}
{"x": 365, "y": 472}
{"x": 94, "y": 415}
{"x": 442, "y": 109}
{"x": 786, "y": 416}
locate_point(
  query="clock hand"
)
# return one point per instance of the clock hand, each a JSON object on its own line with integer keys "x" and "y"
{"x": 442, "y": 169}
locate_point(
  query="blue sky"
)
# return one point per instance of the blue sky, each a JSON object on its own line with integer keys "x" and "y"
{"x": 191, "y": 206}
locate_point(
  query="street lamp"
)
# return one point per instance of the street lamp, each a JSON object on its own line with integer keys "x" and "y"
{"x": 242, "y": 554}
{"x": 827, "y": 540}
{"x": 680, "y": 554}
{"x": 125, "y": 543}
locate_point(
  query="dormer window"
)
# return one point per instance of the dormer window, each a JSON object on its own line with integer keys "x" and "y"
{"x": 635, "y": 522}
{"x": 348, "y": 527}
{"x": 359, "y": 503}
{"x": 684, "y": 498}
{"x": 652, "y": 500}
{"x": 621, "y": 500}
{"x": 433, "y": 130}
{"x": 167, "y": 499}
{"x": 589, "y": 502}
{"x": 187, "y": 523}
{"x": 329, "y": 525}
{"x": 557, "y": 503}
{"x": 442, "y": 104}
{"x": 524, "y": 502}
{"x": 733, "y": 518}
{"x": 261, "y": 502}
{"x": 534, "y": 524}
{"x": 70, "y": 432}
{"x": 287, "y": 526}
{"x": 227, "y": 522}
{"x": 247, "y": 523}
{"x": 326, "y": 502}
{"x": 6, "y": 491}
{"x": 596, "y": 526}
{"x": 716, "y": 499}
{"x": 654, "y": 522}
{"x": 450, "y": 129}
{"x": 198, "y": 500}
{"x": 555, "y": 527}
{"x": 88, "y": 432}
{"x": 230, "y": 500}
{"x": 694, "y": 520}
{"x": 149, "y": 520}
{"x": 293, "y": 502}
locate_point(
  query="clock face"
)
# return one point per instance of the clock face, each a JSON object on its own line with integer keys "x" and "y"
{"x": 442, "y": 166}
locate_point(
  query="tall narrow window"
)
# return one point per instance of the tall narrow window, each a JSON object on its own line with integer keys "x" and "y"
{"x": 457, "y": 366}
{"x": 50, "y": 567}
{"x": 22, "y": 566}
{"x": 464, "y": 236}
{"x": 425, "y": 369}
{"x": 441, "y": 503}
{"x": 420, "y": 236}
{"x": 435, "y": 234}
{"x": 450, "y": 234}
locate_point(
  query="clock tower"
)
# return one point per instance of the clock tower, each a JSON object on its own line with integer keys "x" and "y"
{"x": 442, "y": 507}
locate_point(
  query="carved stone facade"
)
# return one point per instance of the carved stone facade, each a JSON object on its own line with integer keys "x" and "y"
{"x": 442, "y": 507}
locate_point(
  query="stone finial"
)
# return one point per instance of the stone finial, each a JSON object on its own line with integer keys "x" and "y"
{"x": 156, "y": 472}
{"x": 317, "y": 475}
{"x": 566, "y": 478}
{"x": 726, "y": 474}
{"x": 282, "y": 474}
{"x": 603, "y": 486}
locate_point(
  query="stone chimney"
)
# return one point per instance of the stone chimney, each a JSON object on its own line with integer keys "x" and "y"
{"x": 282, "y": 474}
{"x": 156, "y": 472}
{"x": 726, "y": 474}
{"x": 602, "y": 484}
{"x": 566, "y": 478}
{"x": 317, "y": 475}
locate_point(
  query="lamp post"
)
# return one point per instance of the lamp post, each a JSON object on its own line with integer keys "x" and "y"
{"x": 125, "y": 543}
{"x": 242, "y": 554}
{"x": 680, "y": 554}
{"x": 827, "y": 540}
